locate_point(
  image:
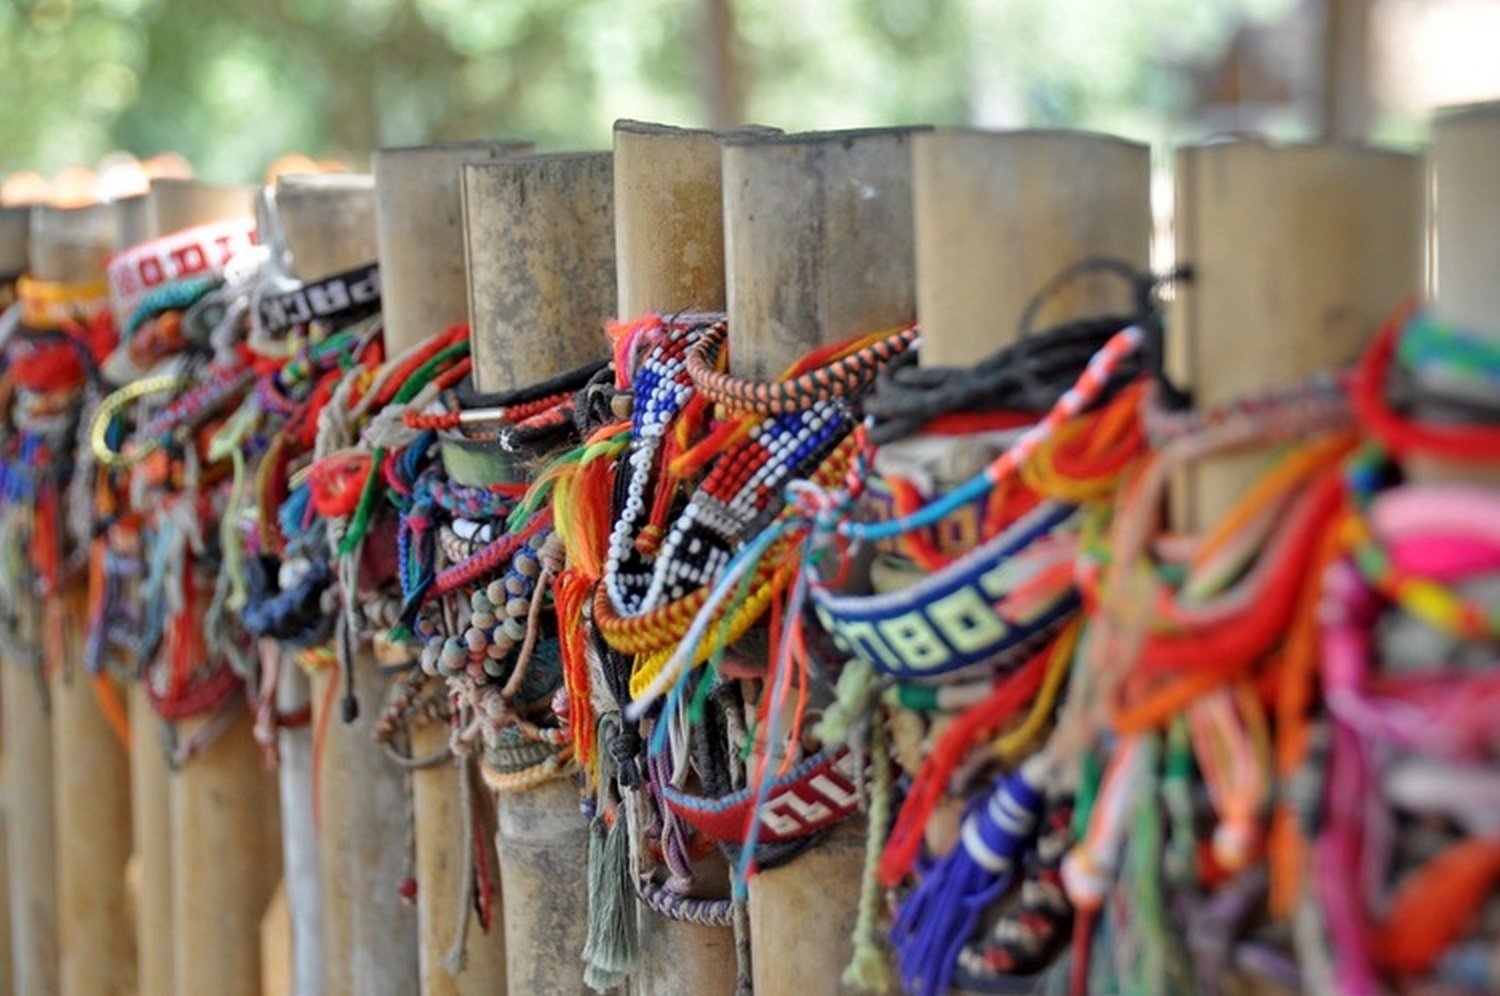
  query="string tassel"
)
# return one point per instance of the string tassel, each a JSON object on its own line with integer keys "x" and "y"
{"x": 941, "y": 913}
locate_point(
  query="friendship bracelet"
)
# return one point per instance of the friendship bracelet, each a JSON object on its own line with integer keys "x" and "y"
{"x": 986, "y": 603}
{"x": 349, "y": 295}
{"x": 843, "y": 377}
{"x": 1407, "y": 436}
{"x": 815, "y": 795}
{"x": 116, "y": 403}
{"x": 1428, "y": 345}
{"x": 204, "y": 250}
{"x": 1423, "y": 598}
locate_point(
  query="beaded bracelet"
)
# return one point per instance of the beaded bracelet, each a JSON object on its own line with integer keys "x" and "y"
{"x": 843, "y": 377}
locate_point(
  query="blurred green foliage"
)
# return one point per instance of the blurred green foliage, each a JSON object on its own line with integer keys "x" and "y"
{"x": 232, "y": 84}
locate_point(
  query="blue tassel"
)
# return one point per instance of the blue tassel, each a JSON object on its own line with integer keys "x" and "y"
{"x": 941, "y": 913}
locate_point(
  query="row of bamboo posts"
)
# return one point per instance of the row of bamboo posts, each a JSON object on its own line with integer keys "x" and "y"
{"x": 127, "y": 876}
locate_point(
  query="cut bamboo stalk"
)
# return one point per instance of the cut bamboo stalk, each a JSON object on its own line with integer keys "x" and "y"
{"x": 539, "y": 232}
{"x": 30, "y": 838}
{"x": 222, "y": 861}
{"x": 425, "y": 289}
{"x": 817, "y": 242}
{"x": 669, "y": 253}
{"x": 998, "y": 214}
{"x": 669, "y": 219}
{"x": 15, "y": 232}
{"x": 180, "y": 204}
{"x": 818, "y": 248}
{"x": 302, "y": 873}
{"x": 277, "y": 976}
{"x": 151, "y": 810}
{"x": 1465, "y": 155}
{"x": 90, "y": 765}
{"x": 419, "y": 218}
{"x": 15, "y": 227}
{"x": 370, "y": 933}
{"x": 30, "y": 847}
{"x": 541, "y": 250}
{"x": 227, "y": 862}
{"x": 1297, "y": 255}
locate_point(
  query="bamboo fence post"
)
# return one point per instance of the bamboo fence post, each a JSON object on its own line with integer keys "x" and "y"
{"x": 1297, "y": 255}
{"x": 15, "y": 227}
{"x": 669, "y": 256}
{"x": 370, "y": 933}
{"x": 301, "y": 856}
{"x": 175, "y": 205}
{"x": 30, "y": 842}
{"x": 15, "y": 232}
{"x": 539, "y": 232}
{"x": 301, "y": 849}
{"x": 224, "y": 849}
{"x": 424, "y": 289}
{"x": 998, "y": 214}
{"x": 1466, "y": 169}
{"x": 91, "y": 765}
{"x": 818, "y": 248}
{"x": 151, "y": 810}
{"x": 1465, "y": 155}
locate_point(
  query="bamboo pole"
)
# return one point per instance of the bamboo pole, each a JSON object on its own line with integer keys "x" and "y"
{"x": 669, "y": 256}
{"x": 15, "y": 227}
{"x": 370, "y": 933}
{"x": 1465, "y": 155}
{"x": 91, "y": 766}
{"x": 30, "y": 845}
{"x": 818, "y": 248}
{"x": 206, "y": 857}
{"x": 151, "y": 810}
{"x": 224, "y": 803}
{"x": 539, "y": 232}
{"x": 424, "y": 289}
{"x": 1466, "y": 170}
{"x": 998, "y": 214}
{"x": 1297, "y": 254}
{"x": 301, "y": 865}
{"x": 15, "y": 231}
{"x": 302, "y": 909}
{"x": 817, "y": 242}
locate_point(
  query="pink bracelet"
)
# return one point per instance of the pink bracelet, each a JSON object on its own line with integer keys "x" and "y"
{"x": 1452, "y": 718}
{"x": 1437, "y": 508}
{"x": 1443, "y": 556}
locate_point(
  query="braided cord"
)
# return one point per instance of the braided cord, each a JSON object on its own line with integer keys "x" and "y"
{"x": 847, "y": 375}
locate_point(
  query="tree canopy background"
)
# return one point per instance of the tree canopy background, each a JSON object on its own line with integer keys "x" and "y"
{"x": 232, "y": 84}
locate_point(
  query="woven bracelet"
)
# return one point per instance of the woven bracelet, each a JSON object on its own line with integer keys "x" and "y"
{"x": 817, "y": 794}
{"x": 959, "y": 616}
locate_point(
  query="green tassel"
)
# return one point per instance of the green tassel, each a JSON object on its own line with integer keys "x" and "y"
{"x": 613, "y": 943}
